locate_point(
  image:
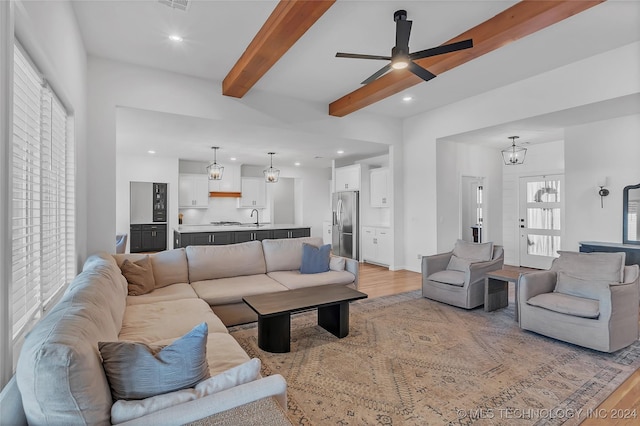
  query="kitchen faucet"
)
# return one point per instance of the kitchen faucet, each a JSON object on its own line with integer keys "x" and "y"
{"x": 257, "y": 214}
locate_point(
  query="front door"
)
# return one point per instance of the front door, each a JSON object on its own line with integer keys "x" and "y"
{"x": 540, "y": 220}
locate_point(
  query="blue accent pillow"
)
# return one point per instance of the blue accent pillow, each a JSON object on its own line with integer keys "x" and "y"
{"x": 315, "y": 259}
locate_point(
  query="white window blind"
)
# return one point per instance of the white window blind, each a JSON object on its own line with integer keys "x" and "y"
{"x": 43, "y": 240}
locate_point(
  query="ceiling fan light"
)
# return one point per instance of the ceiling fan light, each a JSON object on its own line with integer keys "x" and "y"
{"x": 400, "y": 63}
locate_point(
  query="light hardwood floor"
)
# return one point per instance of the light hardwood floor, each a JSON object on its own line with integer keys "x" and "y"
{"x": 377, "y": 281}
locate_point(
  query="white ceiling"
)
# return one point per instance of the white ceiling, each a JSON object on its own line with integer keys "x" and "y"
{"x": 217, "y": 32}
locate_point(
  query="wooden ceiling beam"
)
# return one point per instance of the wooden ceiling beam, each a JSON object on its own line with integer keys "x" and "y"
{"x": 518, "y": 21}
{"x": 287, "y": 23}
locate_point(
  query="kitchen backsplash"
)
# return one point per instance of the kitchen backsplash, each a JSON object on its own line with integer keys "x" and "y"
{"x": 222, "y": 209}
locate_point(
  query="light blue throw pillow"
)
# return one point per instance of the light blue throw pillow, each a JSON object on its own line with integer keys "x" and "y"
{"x": 315, "y": 259}
{"x": 137, "y": 371}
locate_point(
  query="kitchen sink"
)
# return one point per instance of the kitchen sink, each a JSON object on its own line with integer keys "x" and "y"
{"x": 253, "y": 225}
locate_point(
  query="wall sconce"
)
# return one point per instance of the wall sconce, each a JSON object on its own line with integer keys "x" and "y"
{"x": 603, "y": 192}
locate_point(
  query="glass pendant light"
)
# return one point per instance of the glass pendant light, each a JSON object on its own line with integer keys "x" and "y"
{"x": 514, "y": 155}
{"x": 214, "y": 170}
{"x": 271, "y": 175}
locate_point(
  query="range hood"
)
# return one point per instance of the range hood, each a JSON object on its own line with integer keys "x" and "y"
{"x": 213, "y": 194}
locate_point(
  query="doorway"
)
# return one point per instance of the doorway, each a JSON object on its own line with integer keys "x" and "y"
{"x": 540, "y": 219}
{"x": 472, "y": 211}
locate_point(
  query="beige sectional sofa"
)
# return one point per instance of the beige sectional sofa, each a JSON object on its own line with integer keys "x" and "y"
{"x": 60, "y": 375}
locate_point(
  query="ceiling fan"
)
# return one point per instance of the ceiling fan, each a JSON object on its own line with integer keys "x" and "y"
{"x": 401, "y": 58}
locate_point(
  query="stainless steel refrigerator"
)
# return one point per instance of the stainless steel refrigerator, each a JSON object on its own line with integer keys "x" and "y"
{"x": 345, "y": 224}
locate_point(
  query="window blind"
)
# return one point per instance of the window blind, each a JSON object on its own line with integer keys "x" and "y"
{"x": 43, "y": 241}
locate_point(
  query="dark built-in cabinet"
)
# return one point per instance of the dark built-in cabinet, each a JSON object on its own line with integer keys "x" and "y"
{"x": 184, "y": 239}
{"x": 148, "y": 238}
{"x": 160, "y": 202}
{"x": 632, "y": 256}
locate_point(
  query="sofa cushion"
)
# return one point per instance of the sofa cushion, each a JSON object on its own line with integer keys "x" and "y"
{"x": 591, "y": 266}
{"x": 231, "y": 290}
{"x": 574, "y": 286}
{"x": 123, "y": 411}
{"x": 286, "y": 254}
{"x": 59, "y": 371}
{"x": 448, "y": 277}
{"x": 169, "y": 266}
{"x": 135, "y": 370}
{"x": 294, "y": 279}
{"x": 152, "y": 322}
{"x": 223, "y": 352}
{"x": 170, "y": 292}
{"x": 479, "y": 252}
{"x": 566, "y": 304}
{"x": 458, "y": 264}
{"x": 211, "y": 262}
{"x": 315, "y": 259}
{"x": 139, "y": 276}
{"x": 337, "y": 263}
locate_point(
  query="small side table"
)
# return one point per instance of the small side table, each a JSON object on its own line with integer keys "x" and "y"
{"x": 496, "y": 289}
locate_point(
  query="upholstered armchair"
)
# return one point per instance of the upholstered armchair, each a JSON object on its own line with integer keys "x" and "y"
{"x": 588, "y": 299}
{"x": 457, "y": 277}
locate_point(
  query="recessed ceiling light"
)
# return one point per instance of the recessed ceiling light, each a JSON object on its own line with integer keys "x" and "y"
{"x": 175, "y": 37}
{"x": 233, "y": 158}
{"x": 297, "y": 163}
{"x": 151, "y": 151}
{"x": 340, "y": 152}
{"x": 407, "y": 98}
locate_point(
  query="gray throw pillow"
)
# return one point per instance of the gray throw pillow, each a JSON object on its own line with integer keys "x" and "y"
{"x": 597, "y": 266}
{"x": 575, "y": 286}
{"x": 458, "y": 264}
{"x": 137, "y": 371}
{"x": 480, "y": 252}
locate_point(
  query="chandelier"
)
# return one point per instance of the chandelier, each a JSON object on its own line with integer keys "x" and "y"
{"x": 214, "y": 170}
{"x": 514, "y": 155}
{"x": 271, "y": 174}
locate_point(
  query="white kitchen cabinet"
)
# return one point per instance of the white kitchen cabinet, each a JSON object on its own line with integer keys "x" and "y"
{"x": 379, "y": 187}
{"x": 254, "y": 193}
{"x": 327, "y": 228}
{"x": 348, "y": 178}
{"x": 377, "y": 245}
{"x": 230, "y": 182}
{"x": 193, "y": 191}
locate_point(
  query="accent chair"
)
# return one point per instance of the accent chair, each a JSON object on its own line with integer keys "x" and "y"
{"x": 588, "y": 299}
{"x": 457, "y": 277}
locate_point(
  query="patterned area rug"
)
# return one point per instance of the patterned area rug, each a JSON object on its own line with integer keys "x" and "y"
{"x": 412, "y": 361}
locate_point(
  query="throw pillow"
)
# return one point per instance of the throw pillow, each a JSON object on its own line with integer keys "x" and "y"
{"x": 139, "y": 275}
{"x": 575, "y": 286}
{"x": 123, "y": 411}
{"x": 480, "y": 252}
{"x": 458, "y": 264}
{"x": 315, "y": 259}
{"x": 597, "y": 266}
{"x": 337, "y": 263}
{"x": 136, "y": 371}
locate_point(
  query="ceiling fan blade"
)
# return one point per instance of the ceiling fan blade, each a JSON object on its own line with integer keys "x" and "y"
{"x": 421, "y": 72}
{"x": 403, "y": 30}
{"x": 440, "y": 50}
{"x": 358, "y": 56}
{"x": 377, "y": 74}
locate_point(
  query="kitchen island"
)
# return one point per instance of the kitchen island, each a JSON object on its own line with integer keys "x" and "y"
{"x": 201, "y": 235}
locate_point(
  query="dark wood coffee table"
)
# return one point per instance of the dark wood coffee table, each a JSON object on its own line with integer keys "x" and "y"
{"x": 274, "y": 312}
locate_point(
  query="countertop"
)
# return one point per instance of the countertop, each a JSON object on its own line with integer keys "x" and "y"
{"x": 187, "y": 229}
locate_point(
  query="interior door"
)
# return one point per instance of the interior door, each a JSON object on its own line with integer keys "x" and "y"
{"x": 540, "y": 220}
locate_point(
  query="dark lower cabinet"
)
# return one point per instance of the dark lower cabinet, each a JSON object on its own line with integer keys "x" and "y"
{"x": 146, "y": 238}
{"x": 632, "y": 256}
{"x": 233, "y": 237}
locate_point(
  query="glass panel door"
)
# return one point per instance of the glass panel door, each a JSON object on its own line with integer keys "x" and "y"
{"x": 540, "y": 220}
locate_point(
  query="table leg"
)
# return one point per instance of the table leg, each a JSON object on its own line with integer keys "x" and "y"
{"x": 335, "y": 319}
{"x": 496, "y": 294}
{"x": 274, "y": 333}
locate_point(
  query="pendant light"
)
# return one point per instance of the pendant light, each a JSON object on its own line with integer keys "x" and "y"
{"x": 514, "y": 155}
{"x": 271, "y": 175}
{"x": 214, "y": 170}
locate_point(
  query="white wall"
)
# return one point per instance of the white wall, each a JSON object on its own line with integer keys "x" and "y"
{"x": 606, "y": 76}
{"x": 49, "y": 33}
{"x": 455, "y": 160}
{"x": 113, "y": 84}
{"x": 541, "y": 159}
{"x": 145, "y": 169}
{"x": 608, "y": 148}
